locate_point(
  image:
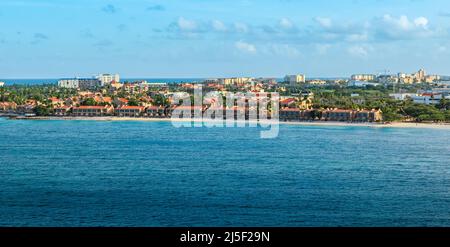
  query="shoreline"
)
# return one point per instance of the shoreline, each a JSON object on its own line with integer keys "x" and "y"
{"x": 315, "y": 123}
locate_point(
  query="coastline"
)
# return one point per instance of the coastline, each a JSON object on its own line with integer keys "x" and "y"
{"x": 316, "y": 123}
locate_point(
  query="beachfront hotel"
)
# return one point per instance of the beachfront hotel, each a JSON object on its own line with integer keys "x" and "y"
{"x": 130, "y": 111}
{"x": 294, "y": 80}
{"x": 92, "y": 111}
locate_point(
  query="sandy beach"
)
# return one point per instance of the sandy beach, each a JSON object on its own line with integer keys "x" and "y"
{"x": 317, "y": 123}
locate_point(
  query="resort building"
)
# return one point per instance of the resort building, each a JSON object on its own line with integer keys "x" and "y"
{"x": 429, "y": 98}
{"x": 2, "y": 84}
{"x": 317, "y": 82}
{"x": 120, "y": 101}
{"x": 288, "y": 102}
{"x": 363, "y": 77}
{"x": 156, "y": 111}
{"x": 186, "y": 111}
{"x": 290, "y": 114}
{"x": 362, "y": 84}
{"x": 368, "y": 116}
{"x": 93, "y": 111}
{"x": 107, "y": 79}
{"x": 294, "y": 80}
{"x": 82, "y": 83}
{"x": 56, "y": 102}
{"x": 130, "y": 111}
{"x": 69, "y": 83}
{"x": 337, "y": 115}
{"x": 62, "y": 111}
{"x": 7, "y": 106}
{"x": 235, "y": 80}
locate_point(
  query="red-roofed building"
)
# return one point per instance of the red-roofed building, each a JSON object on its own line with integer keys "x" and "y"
{"x": 130, "y": 111}
{"x": 289, "y": 114}
{"x": 7, "y": 106}
{"x": 185, "y": 111}
{"x": 289, "y": 102}
{"x": 121, "y": 101}
{"x": 92, "y": 111}
{"x": 62, "y": 110}
{"x": 155, "y": 111}
{"x": 337, "y": 115}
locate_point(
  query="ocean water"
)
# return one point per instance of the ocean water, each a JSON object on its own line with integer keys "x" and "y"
{"x": 89, "y": 173}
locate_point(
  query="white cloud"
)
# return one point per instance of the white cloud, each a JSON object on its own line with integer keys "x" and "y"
{"x": 186, "y": 25}
{"x": 324, "y": 22}
{"x": 403, "y": 23}
{"x": 358, "y": 51}
{"x": 358, "y": 37}
{"x": 403, "y": 28}
{"x": 245, "y": 47}
{"x": 241, "y": 27}
{"x": 218, "y": 26}
{"x": 421, "y": 22}
{"x": 286, "y": 23}
{"x": 283, "y": 50}
{"x": 442, "y": 49}
{"x": 322, "y": 49}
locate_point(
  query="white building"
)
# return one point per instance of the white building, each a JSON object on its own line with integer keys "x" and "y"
{"x": 402, "y": 96}
{"x": 294, "y": 80}
{"x": 2, "y": 84}
{"x": 69, "y": 83}
{"x": 361, "y": 83}
{"x": 363, "y": 77}
{"x": 429, "y": 99}
{"x": 83, "y": 83}
{"x": 106, "y": 79}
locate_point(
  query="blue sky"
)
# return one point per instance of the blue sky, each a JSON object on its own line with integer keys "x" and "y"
{"x": 218, "y": 38}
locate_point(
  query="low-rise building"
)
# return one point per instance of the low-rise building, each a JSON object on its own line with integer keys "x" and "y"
{"x": 288, "y": 102}
{"x": 92, "y": 111}
{"x": 363, "y": 77}
{"x": 7, "y": 106}
{"x": 62, "y": 110}
{"x": 130, "y": 111}
{"x": 337, "y": 115}
{"x": 402, "y": 96}
{"x": 362, "y": 84}
{"x": 186, "y": 111}
{"x": 289, "y": 114}
{"x": 156, "y": 111}
{"x": 429, "y": 98}
{"x": 120, "y": 101}
{"x": 367, "y": 116}
{"x": 317, "y": 82}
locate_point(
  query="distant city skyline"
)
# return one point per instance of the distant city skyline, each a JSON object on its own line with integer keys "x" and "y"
{"x": 219, "y": 38}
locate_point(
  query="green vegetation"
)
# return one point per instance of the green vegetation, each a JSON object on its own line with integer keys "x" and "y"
{"x": 330, "y": 96}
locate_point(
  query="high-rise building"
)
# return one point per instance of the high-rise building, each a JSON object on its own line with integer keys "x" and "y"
{"x": 106, "y": 79}
{"x": 69, "y": 83}
{"x": 420, "y": 75}
{"x": 235, "y": 80}
{"x": 83, "y": 83}
{"x": 294, "y": 80}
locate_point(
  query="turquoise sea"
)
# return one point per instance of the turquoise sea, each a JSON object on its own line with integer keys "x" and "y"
{"x": 89, "y": 173}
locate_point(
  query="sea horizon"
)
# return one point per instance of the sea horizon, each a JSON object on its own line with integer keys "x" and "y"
{"x": 40, "y": 81}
